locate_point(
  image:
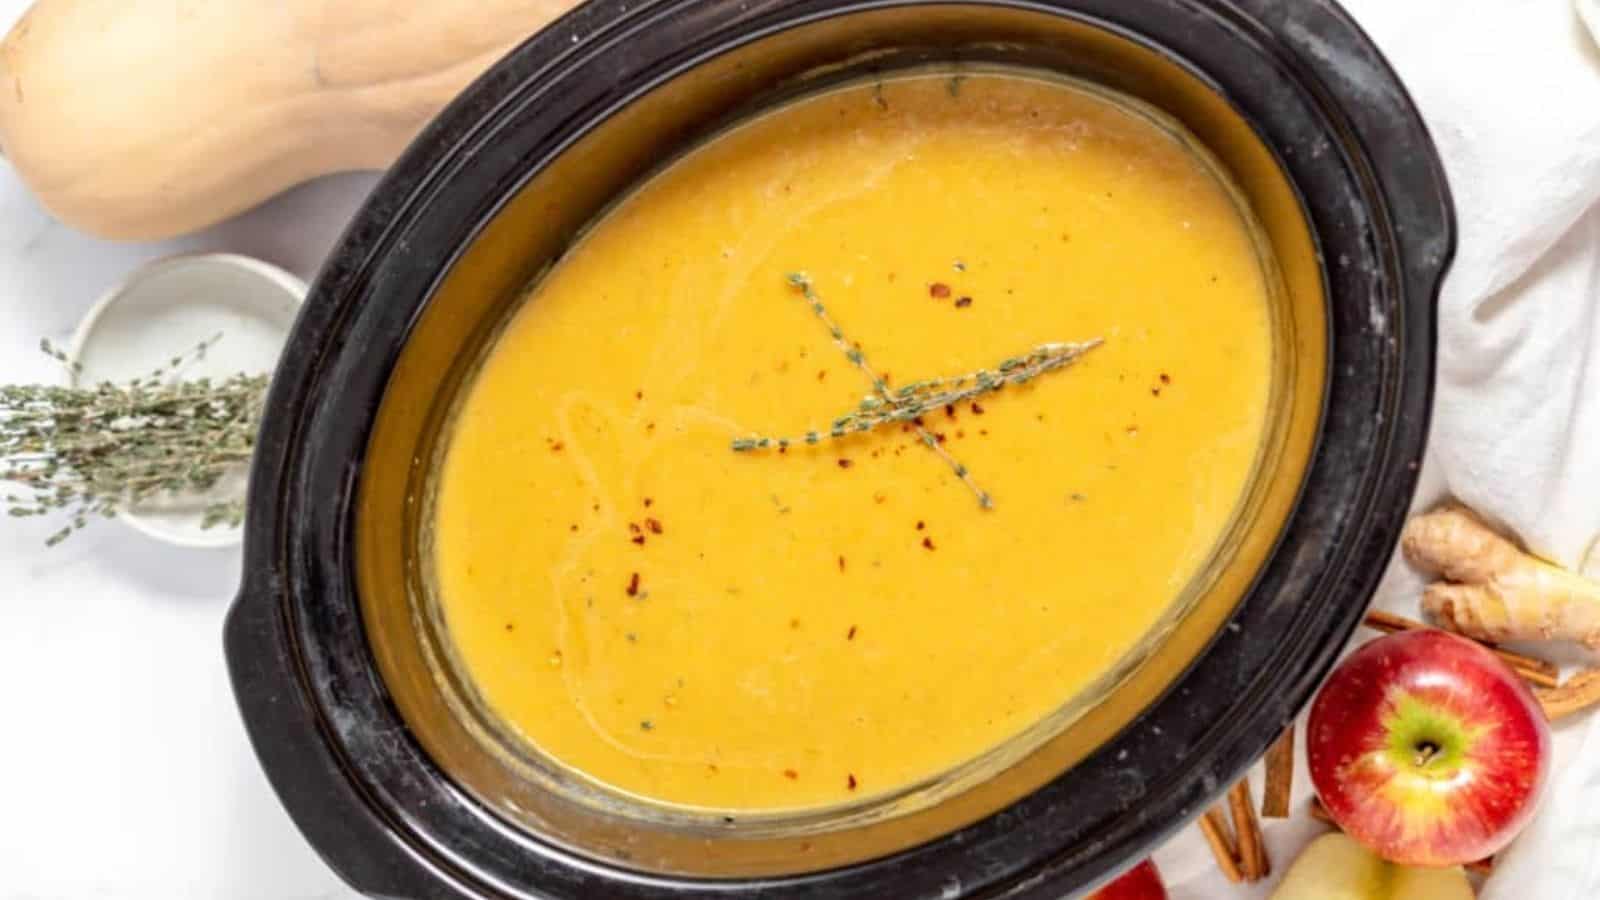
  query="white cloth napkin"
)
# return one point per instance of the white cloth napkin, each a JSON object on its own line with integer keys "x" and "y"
{"x": 1511, "y": 92}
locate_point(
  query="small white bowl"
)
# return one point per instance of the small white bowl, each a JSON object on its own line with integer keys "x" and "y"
{"x": 164, "y": 309}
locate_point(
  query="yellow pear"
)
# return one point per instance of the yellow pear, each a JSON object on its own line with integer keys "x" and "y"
{"x": 1334, "y": 867}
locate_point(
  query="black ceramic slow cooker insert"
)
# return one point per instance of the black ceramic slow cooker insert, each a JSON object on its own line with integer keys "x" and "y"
{"x": 340, "y": 664}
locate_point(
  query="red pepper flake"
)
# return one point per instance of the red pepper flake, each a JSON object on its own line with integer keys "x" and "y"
{"x": 634, "y": 527}
{"x": 963, "y": 302}
{"x": 638, "y": 395}
{"x": 638, "y": 539}
{"x": 845, "y": 463}
{"x": 1165, "y": 378}
{"x": 649, "y": 427}
{"x": 510, "y": 627}
{"x": 782, "y": 450}
{"x": 794, "y": 623}
{"x": 983, "y": 431}
{"x": 850, "y": 782}
{"x": 938, "y": 436}
{"x": 791, "y": 774}
{"x": 849, "y": 635}
{"x": 633, "y": 585}
{"x": 822, "y": 375}
{"x": 655, "y": 525}
{"x": 574, "y": 528}
{"x": 949, "y": 411}
{"x": 556, "y": 446}
{"x": 928, "y": 543}
{"x": 917, "y": 421}
{"x": 648, "y": 503}
{"x": 960, "y": 433}
{"x": 841, "y": 564}
{"x": 977, "y": 408}
{"x": 880, "y": 497}
{"x": 938, "y": 290}
{"x": 921, "y": 524}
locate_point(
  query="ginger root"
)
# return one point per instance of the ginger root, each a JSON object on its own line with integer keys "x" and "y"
{"x": 1493, "y": 590}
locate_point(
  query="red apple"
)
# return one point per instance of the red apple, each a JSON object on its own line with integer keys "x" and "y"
{"x": 1428, "y": 749}
{"x": 1142, "y": 882}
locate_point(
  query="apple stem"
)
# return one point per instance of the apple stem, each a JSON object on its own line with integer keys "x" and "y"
{"x": 1426, "y": 751}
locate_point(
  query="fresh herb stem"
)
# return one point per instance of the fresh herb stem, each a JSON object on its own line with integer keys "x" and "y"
{"x": 908, "y": 403}
{"x": 880, "y": 387}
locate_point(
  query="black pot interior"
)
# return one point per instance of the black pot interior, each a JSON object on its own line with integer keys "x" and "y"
{"x": 430, "y": 801}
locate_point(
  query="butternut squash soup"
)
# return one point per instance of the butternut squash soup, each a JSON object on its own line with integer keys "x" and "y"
{"x": 855, "y": 442}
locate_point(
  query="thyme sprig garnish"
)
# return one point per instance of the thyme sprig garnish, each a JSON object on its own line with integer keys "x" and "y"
{"x": 880, "y": 388}
{"x": 936, "y": 392}
{"x": 907, "y": 404}
{"x": 89, "y": 451}
{"x": 912, "y": 401}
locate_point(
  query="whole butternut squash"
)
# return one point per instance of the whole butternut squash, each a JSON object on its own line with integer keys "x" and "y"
{"x": 144, "y": 119}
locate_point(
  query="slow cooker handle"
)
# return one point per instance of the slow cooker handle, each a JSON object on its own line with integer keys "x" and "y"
{"x": 1403, "y": 163}
{"x": 315, "y": 789}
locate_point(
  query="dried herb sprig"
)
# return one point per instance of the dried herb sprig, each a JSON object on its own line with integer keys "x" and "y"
{"x": 880, "y": 388}
{"x": 1013, "y": 370}
{"x": 910, "y": 402}
{"x": 87, "y": 451}
{"x": 920, "y": 398}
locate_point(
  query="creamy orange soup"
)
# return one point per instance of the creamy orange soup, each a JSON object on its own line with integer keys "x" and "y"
{"x": 773, "y": 628}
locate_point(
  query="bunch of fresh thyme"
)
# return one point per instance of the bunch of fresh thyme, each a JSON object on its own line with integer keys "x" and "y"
{"x": 87, "y": 451}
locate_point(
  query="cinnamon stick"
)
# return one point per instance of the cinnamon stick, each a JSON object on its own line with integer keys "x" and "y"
{"x": 1535, "y": 671}
{"x": 1275, "y": 793}
{"x": 1576, "y": 694}
{"x": 1320, "y": 813}
{"x": 1214, "y": 825}
{"x": 1252, "y": 847}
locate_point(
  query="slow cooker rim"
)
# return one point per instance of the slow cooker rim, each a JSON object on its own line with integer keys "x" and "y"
{"x": 371, "y": 233}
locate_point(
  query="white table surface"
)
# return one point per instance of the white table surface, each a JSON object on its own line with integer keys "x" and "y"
{"x": 128, "y": 774}
{"x": 127, "y": 771}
